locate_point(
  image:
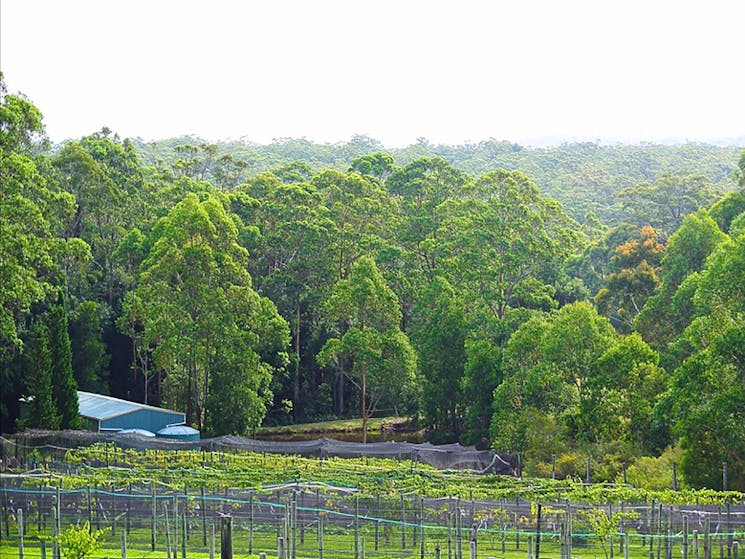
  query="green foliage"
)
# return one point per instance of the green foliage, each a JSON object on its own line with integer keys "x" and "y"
{"x": 372, "y": 351}
{"x": 727, "y": 208}
{"x": 604, "y": 525}
{"x": 706, "y": 397}
{"x": 633, "y": 279}
{"x": 664, "y": 204}
{"x": 150, "y": 245}
{"x": 41, "y": 409}
{"x": 198, "y": 311}
{"x": 438, "y": 332}
{"x": 371, "y": 477}
{"x": 89, "y": 359}
{"x": 667, "y": 313}
{"x": 584, "y": 177}
{"x": 571, "y": 381}
{"x": 64, "y": 388}
{"x": 79, "y": 542}
{"x": 26, "y": 243}
{"x": 654, "y": 473}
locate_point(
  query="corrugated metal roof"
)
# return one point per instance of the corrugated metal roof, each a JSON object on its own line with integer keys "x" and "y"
{"x": 100, "y": 407}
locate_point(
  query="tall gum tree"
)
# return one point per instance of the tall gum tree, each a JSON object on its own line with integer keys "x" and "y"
{"x": 500, "y": 239}
{"x": 289, "y": 261}
{"x": 373, "y": 351}
{"x": 362, "y": 213}
{"x": 193, "y": 294}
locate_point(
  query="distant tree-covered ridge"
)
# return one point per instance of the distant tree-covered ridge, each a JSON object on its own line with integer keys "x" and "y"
{"x": 587, "y": 178}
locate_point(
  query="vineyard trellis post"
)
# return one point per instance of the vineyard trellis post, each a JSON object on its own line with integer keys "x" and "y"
{"x": 377, "y": 523}
{"x": 5, "y": 510}
{"x": 184, "y": 533}
{"x": 90, "y": 507}
{"x": 19, "y": 520}
{"x": 626, "y": 542}
{"x": 212, "y": 540}
{"x": 55, "y": 525}
{"x": 610, "y": 537}
{"x": 168, "y": 532}
{"x": 113, "y": 507}
{"x": 724, "y": 476}
{"x": 685, "y": 536}
{"x": 356, "y": 527}
{"x": 129, "y": 507}
{"x": 293, "y": 524}
{"x": 538, "y": 533}
{"x": 250, "y": 522}
{"x": 226, "y": 537}
{"x": 729, "y": 530}
{"x": 449, "y": 520}
{"x": 458, "y": 534}
{"x": 403, "y": 522}
{"x": 320, "y": 536}
{"x": 204, "y": 516}
{"x": 302, "y": 524}
{"x": 421, "y": 528}
{"x": 719, "y": 533}
{"x": 153, "y": 520}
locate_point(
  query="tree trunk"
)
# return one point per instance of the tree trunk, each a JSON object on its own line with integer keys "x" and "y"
{"x": 364, "y": 409}
{"x": 296, "y": 384}
{"x": 340, "y": 392}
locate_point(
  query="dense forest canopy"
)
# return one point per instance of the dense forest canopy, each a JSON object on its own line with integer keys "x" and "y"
{"x": 556, "y": 302}
{"x": 614, "y": 182}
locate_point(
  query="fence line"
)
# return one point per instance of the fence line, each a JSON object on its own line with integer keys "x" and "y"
{"x": 299, "y": 521}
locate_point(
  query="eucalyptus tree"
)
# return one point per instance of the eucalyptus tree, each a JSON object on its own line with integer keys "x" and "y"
{"x": 705, "y": 402}
{"x": 422, "y": 187}
{"x": 501, "y": 240}
{"x": 372, "y": 351}
{"x": 27, "y": 243}
{"x": 288, "y": 231}
{"x": 664, "y": 203}
{"x": 363, "y": 221}
{"x": 201, "y": 317}
{"x": 438, "y": 334}
{"x": 670, "y": 310}
{"x": 571, "y": 378}
{"x": 634, "y": 278}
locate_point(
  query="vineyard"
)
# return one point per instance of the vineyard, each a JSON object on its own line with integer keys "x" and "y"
{"x": 159, "y": 503}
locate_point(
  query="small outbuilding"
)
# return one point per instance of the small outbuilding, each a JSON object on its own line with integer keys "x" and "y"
{"x": 106, "y": 414}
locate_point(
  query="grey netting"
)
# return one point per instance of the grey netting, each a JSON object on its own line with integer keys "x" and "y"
{"x": 444, "y": 457}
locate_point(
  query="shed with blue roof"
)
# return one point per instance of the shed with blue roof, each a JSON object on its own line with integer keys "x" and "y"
{"x": 104, "y": 413}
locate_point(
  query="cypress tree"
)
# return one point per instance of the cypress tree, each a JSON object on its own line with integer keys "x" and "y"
{"x": 65, "y": 389}
{"x": 37, "y": 363}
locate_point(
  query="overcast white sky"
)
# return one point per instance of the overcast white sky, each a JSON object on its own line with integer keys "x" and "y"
{"x": 395, "y": 70}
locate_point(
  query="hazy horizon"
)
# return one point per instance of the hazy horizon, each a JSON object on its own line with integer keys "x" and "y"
{"x": 535, "y": 73}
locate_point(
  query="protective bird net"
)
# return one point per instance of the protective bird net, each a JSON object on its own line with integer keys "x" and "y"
{"x": 444, "y": 457}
